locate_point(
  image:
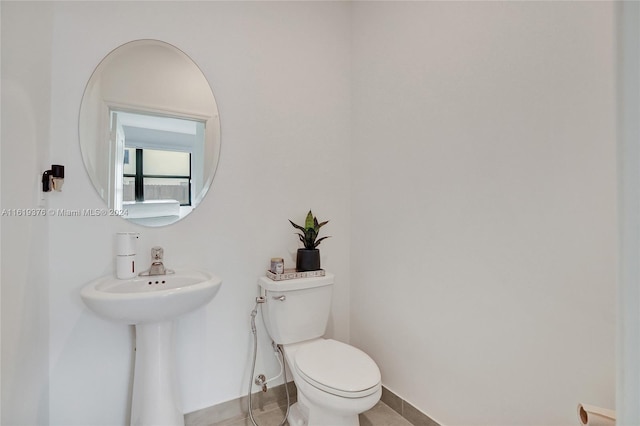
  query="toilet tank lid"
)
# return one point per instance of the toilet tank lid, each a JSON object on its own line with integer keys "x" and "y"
{"x": 295, "y": 284}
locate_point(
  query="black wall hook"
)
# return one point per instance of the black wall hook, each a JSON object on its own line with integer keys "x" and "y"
{"x": 56, "y": 172}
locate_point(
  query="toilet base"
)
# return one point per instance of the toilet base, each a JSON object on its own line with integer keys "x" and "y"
{"x": 296, "y": 417}
{"x": 304, "y": 413}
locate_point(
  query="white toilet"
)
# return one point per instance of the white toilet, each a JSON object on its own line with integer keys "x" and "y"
{"x": 335, "y": 381}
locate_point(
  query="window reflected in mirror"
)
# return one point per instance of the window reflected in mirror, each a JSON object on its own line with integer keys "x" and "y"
{"x": 161, "y": 175}
{"x": 156, "y": 161}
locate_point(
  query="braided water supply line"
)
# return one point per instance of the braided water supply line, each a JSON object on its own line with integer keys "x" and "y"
{"x": 254, "y": 313}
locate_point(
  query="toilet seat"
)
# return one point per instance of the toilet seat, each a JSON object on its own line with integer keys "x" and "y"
{"x": 337, "y": 368}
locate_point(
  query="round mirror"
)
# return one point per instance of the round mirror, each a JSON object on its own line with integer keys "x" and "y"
{"x": 149, "y": 132}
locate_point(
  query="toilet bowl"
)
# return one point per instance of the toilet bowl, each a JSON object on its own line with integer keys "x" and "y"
{"x": 335, "y": 381}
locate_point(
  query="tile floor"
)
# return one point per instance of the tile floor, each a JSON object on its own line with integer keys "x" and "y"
{"x": 379, "y": 415}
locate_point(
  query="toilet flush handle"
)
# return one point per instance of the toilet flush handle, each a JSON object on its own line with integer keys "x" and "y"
{"x": 280, "y": 298}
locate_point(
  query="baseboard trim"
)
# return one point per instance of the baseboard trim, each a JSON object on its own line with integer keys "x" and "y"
{"x": 406, "y": 410}
{"x": 237, "y": 409}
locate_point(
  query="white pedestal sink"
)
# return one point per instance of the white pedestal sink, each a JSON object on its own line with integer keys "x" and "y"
{"x": 151, "y": 303}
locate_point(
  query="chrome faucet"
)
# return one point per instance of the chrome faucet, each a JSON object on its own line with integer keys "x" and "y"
{"x": 157, "y": 267}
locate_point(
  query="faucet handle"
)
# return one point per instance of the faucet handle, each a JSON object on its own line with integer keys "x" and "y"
{"x": 157, "y": 253}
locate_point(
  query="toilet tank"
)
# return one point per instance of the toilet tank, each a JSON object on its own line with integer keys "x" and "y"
{"x": 296, "y": 310}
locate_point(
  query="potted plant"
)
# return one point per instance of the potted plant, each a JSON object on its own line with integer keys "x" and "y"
{"x": 308, "y": 258}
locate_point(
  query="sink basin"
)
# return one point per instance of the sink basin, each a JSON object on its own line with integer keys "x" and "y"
{"x": 151, "y": 304}
{"x": 150, "y": 299}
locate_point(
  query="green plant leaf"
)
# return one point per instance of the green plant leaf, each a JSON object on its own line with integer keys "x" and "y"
{"x": 297, "y": 226}
{"x": 319, "y": 240}
{"x": 308, "y": 223}
{"x": 310, "y": 231}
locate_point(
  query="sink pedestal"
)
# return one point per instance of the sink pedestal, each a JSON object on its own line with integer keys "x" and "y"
{"x": 156, "y": 399}
{"x": 152, "y": 304}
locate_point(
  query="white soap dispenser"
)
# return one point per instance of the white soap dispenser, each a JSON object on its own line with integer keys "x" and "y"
{"x": 126, "y": 243}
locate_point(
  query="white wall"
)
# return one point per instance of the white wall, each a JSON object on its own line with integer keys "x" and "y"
{"x": 25, "y": 105}
{"x": 280, "y": 74}
{"x": 483, "y": 272}
{"x": 628, "y": 378}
